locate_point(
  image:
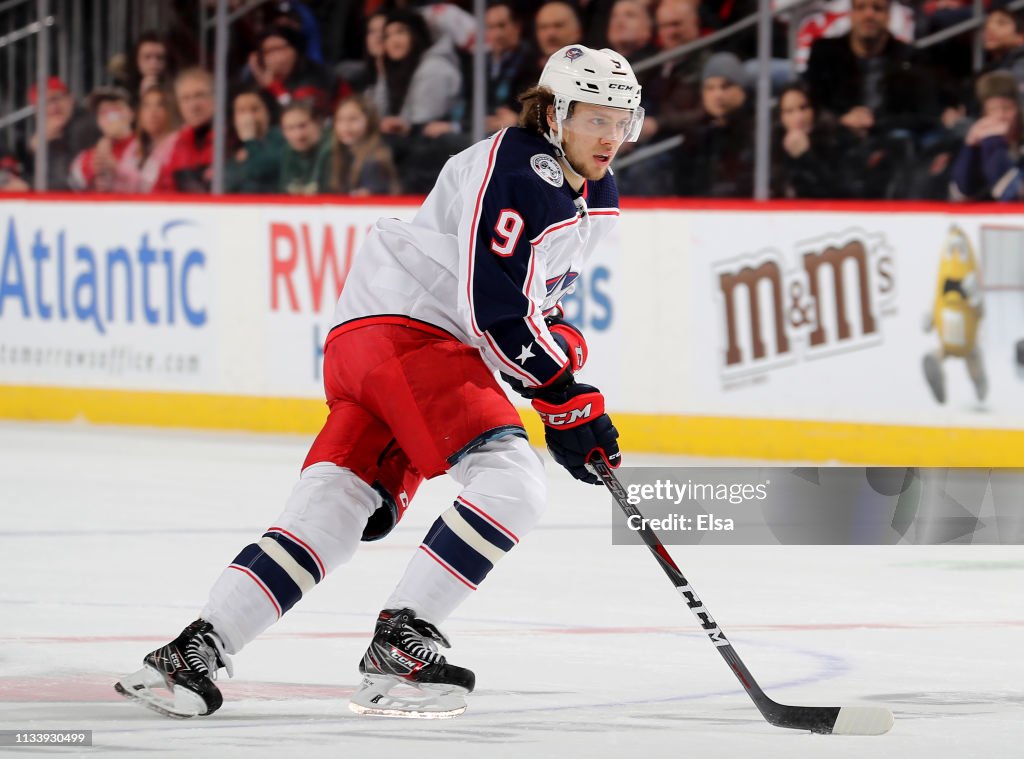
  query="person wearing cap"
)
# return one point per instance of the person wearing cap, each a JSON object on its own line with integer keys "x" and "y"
{"x": 989, "y": 166}
{"x": 281, "y": 68}
{"x": 717, "y": 155}
{"x": 99, "y": 167}
{"x": 69, "y": 130}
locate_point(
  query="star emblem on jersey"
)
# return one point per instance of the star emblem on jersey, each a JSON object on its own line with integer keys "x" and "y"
{"x": 547, "y": 168}
{"x": 526, "y": 355}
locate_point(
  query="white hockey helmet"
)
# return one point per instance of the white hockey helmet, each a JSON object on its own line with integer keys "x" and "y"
{"x": 602, "y": 77}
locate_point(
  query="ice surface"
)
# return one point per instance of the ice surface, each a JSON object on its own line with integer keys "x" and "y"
{"x": 111, "y": 536}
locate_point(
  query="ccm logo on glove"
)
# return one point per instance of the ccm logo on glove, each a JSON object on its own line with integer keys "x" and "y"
{"x": 572, "y": 413}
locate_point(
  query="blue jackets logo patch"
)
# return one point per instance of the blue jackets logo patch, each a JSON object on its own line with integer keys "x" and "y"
{"x": 547, "y": 168}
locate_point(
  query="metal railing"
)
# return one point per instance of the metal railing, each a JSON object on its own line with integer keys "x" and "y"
{"x": 762, "y": 91}
{"x": 71, "y": 39}
{"x": 85, "y": 36}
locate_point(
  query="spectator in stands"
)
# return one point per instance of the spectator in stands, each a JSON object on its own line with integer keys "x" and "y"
{"x": 990, "y": 163}
{"x": 280, "y": 67}
{"x": 868, "y": 79}
{"x": 1003, "y": 39}
{"x": 672, "y": 95}
{"x": 421, "y": 81}
{"x": 189, "y": 168}
{"x": 302, "y": 19}
{"x": 631, "y": 32}
{"x": 671, "y": 98}
{"x": 69, "y": 131}
{"x": 254, "y": 166}
{"x": 361, "y": 163}
{"x": 361, "y": 73}
{"x": 149, "y": 65}
{"x": 717, "y": 157}
{"x": 102, "y": 167}
{"x": 805, "y": 160}
{"x": 306, "y": 163}
{"x": 508, "y": 64}
{"x": 12, "y": 173}
{"x": 155, "y": 135}
{"x": 556, "y": 25}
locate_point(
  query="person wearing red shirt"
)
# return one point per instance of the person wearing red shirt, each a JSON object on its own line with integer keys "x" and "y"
{"x": 99, "y": 167}
{"x": 190, "y": 166}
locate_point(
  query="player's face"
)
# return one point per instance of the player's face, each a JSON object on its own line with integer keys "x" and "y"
{"x": 592, "y": 136}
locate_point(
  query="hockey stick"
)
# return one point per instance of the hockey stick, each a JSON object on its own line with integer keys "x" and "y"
{"x": 838, "y": 720}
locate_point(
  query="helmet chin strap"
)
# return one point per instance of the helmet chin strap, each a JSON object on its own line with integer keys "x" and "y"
{"x": 556, "y": 143}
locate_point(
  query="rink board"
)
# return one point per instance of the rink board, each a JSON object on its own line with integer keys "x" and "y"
{"x": 723, "y": 329}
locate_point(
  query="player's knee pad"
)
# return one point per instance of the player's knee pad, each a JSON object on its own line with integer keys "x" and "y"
{"x": 502, "y": 499}
{"x": 506, "y": 477}
{"x": 326, "y": 514}
{"x": 318, "y": 531}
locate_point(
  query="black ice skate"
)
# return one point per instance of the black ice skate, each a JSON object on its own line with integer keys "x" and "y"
{"x": 405, "y": 676}
{"x": 177, "y": 679}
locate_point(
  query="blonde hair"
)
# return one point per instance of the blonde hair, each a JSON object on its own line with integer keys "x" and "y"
{"x": 194, "y": 72}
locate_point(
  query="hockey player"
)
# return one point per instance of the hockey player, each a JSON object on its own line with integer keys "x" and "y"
{"x": 431, "y": 309}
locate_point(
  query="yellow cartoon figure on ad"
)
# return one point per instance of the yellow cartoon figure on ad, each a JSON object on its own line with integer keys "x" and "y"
{"x": 956, "y": 316}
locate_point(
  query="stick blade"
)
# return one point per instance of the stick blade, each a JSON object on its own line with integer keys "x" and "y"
{"x": 863, "y": 720}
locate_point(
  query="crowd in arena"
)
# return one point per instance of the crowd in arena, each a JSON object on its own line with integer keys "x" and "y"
{"x": 374, "y": 103}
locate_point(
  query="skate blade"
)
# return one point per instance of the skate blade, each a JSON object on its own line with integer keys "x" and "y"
{"x": 140, "y": 686}
{"x": 391, "y": 697}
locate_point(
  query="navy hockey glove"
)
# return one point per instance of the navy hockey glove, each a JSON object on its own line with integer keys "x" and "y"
{"x": 576, "y": 427}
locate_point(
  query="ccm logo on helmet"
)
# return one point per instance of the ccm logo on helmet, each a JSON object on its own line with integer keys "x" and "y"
{"x": 617, "y": 86}
{"x": 566, "y": 418}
